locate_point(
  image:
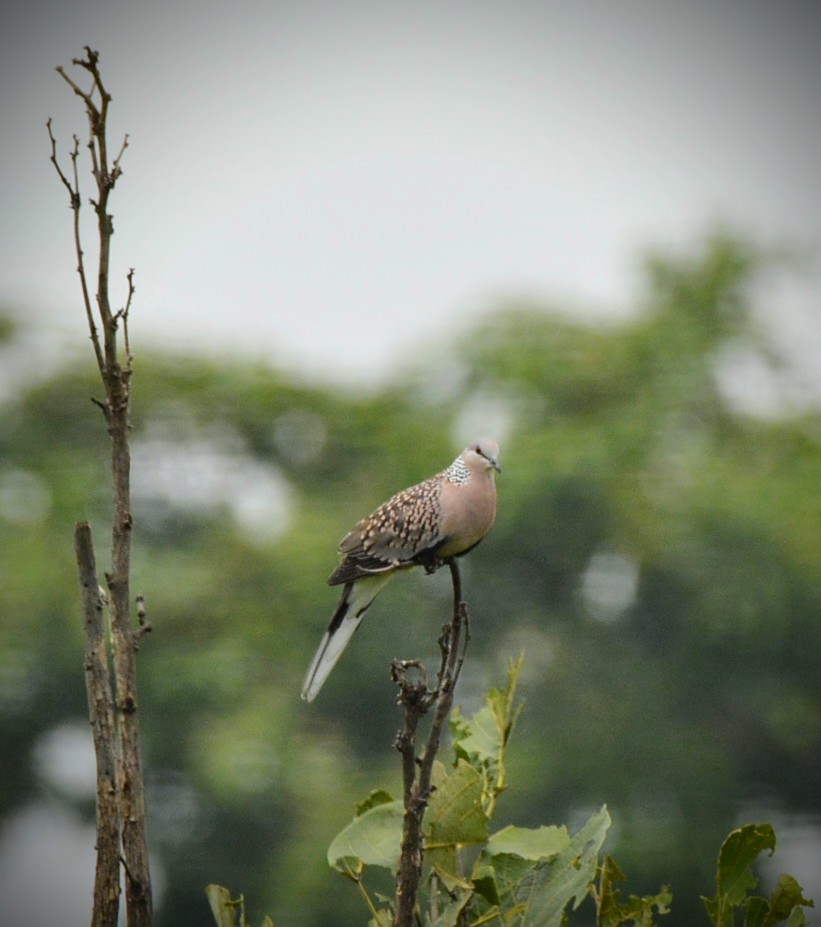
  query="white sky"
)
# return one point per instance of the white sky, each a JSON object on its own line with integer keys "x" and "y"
{"x": 334, "y": 186}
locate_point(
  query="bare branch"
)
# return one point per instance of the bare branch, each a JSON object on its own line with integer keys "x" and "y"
{"x": 101, "y": 716}
{"x": 416, "y": 700}
{"x": 123, "y": 314}
{"x": 86, "y": 97}
{"x": 116, "y": 170}
{"x": 125, "y": 778}
{"x": 75, "y": 202}
{"x": 73, "y": 195}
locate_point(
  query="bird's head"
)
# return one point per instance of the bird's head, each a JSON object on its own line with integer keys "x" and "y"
{"x": 482, "y": 455}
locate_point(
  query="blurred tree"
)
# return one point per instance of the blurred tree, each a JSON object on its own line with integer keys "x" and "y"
{"x": 655, "y": 556}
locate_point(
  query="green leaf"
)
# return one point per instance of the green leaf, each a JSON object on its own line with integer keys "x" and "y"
{"x": 477, "y": 739}
{"x": 508, "y": 870}
{"x": 733, "y": 874}
{"x": 484, "y": 882}
{"x": 383, "y": 918}
{"x": 225, "y": 908}
{"x": 376, "y": 797}
{"x": 449, "y": 915}
{"x": 222, "y": 907}
{"x": 784, "y": 905}
{"x": 756, "y": 912}
{"x": 797, "y": 918}
{"x": 444, "y": 860}
{"x": 455, "y": 816}
{"x": 737, "y": 854}
{"x": 482, "y": 738}
{"x": 529, "y": 843}
{"x": 786, "y": 899}
{"x": 612, "y": 911}
{"x": 372, "y": 838}
{"x": 548, "y": 888}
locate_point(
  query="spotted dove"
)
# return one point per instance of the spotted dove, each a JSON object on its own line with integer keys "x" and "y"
{"x": 442, "y": 517}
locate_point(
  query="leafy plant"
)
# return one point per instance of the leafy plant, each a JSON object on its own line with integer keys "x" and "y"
{"x": 514, "y": 876}
{"x": 521, "y": 876}
{"x": 734, "y": 878}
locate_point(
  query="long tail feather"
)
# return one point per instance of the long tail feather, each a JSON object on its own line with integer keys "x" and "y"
{"x": 355, "y": 600}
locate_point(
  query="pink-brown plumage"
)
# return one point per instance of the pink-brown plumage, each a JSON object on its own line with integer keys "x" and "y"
{"x": 442, "y": 517}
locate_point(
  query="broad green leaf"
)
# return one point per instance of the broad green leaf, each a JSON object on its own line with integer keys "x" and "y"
{"x": 455, "y": 815}
{"x": 529, "y": 843}
{"x": 476, "y": 738}
{"x": 785, "y": 904}
{"x": 756, "y": 912}
{"x": 373, "y": 838}
{"x": 444, "y": 860}
{"x": 733, "y": 874}
{"x": 484, "y": 882}
{"x": 509, "y": 870}
{"x": 549, "y": 887}
{"x": 483, "y": 737}
{"x": 787, "y": 897}
{"x": 739, "y": 851}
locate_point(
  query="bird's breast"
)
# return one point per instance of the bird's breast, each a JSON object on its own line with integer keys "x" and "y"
{"x": 468, "y": 513}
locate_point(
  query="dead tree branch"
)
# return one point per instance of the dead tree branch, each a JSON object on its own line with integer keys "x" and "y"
{"x": 416, "y": 700}
{"x": 101, "y": 715}
{"x": 112, "y": 702}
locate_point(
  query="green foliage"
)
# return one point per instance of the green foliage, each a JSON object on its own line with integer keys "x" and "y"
{"x": 612, "y": 911}
{"x": 526, "y": 876}
{"x": 655, "y": 555}
{"x": 522, "y": 876}
{"x": 371, "y": 839}
{"x": 734, "y": 879}
{"x": 482, "y": 741}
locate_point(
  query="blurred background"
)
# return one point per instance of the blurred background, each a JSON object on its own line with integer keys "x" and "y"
{"x": 365, "y": 234}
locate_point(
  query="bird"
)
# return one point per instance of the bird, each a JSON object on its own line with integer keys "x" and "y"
{"x": 425, "y": 525}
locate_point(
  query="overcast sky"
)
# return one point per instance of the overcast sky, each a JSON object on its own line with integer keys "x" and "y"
{"x": 334, "y": 186}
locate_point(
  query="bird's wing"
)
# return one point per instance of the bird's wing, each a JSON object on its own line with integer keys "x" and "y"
{"x": 396, "y": 534}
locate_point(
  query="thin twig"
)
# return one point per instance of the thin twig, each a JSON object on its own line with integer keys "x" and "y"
{"x": 123, "y": 314}
{"x": 75, "y": 203}
{"x": 144, "y": 625}
{"x": 72, "y": 193}
{"x": 116, "y": 170}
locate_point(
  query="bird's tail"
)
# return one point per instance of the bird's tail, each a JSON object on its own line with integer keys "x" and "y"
{"x": 356, "y": 598}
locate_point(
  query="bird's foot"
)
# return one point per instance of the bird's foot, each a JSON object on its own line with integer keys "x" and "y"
{"x": 432, "y": 563}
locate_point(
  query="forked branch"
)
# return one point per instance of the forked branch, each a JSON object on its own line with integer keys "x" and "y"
{"x": 416, "y": 700}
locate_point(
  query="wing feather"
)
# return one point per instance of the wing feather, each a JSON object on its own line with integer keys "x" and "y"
{"x": 401, "y": 530}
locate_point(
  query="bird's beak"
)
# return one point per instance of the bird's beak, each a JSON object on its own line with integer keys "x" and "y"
{"x": 495, "y": 464}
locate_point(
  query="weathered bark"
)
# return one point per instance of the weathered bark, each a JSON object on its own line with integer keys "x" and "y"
{"x": 111, "y": 685}
{"x": 416, "y": 700}
{"x": 101, "y": 716}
